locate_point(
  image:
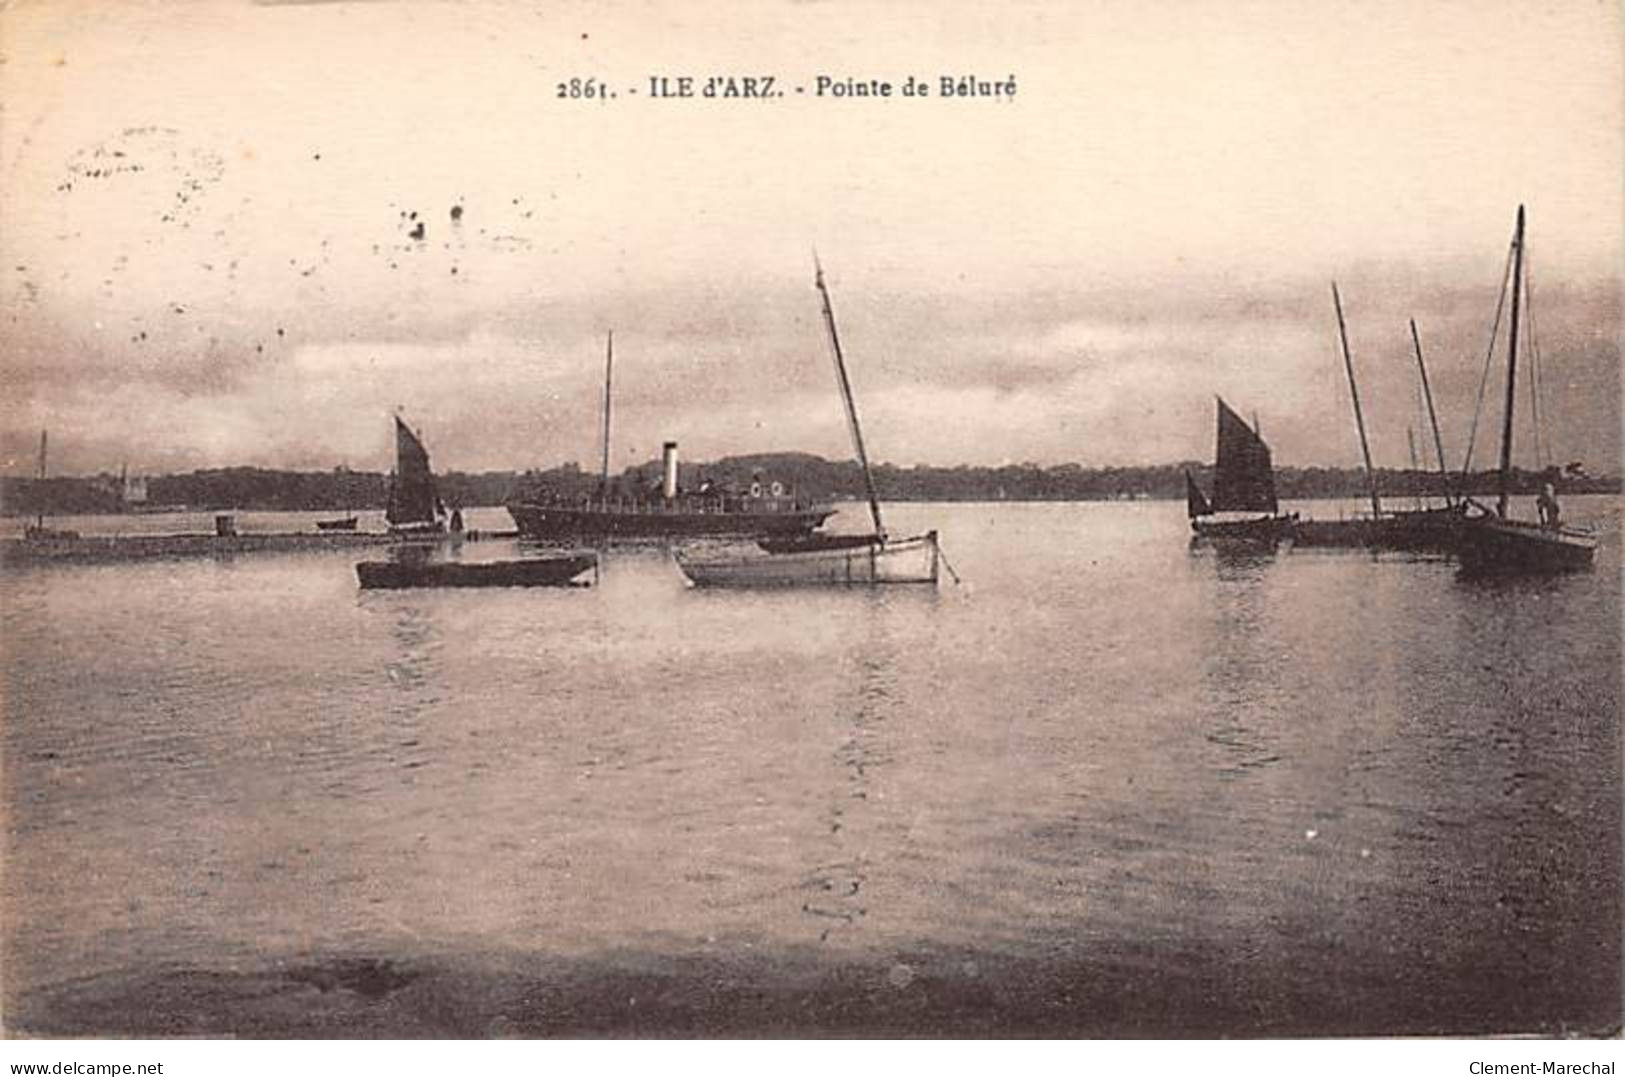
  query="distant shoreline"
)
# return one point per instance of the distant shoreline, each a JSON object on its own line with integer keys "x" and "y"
{"x": 812, "y": 477}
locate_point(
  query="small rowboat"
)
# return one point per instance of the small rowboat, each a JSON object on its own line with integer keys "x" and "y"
{"x": 848, "y": 563}
{"x": 823, "y": 560}
{"x": 528, "y": 572}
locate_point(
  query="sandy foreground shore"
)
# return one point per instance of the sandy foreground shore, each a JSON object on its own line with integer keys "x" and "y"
{"x": 1126, "y": 991}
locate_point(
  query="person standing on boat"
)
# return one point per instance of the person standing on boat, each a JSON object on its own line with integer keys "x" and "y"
{"x": 1546, "y": 501}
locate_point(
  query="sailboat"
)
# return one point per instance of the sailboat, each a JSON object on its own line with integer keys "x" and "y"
{"x": 764, "y": 509}
{"x": 37, "y": 531}
{"x": 1492, "y": 542}
{"x": 1243, "y": 487}
{"x": 1421, "y": 529}
{"x": 1426, "y": 528}
{"x": 414, "y": 508}
{"x": 820, "y": 559}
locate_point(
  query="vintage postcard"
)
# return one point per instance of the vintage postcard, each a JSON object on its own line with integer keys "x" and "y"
{"x": 811, "y": 520}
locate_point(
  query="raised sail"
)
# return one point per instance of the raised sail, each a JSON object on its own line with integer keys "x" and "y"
{"x": 1196, "y": 503}
{"x": 413, "y": 502}
{"x": 1244, "y": 477}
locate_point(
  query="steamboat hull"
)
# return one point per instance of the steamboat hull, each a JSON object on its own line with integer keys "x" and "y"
{"x": 555, "y": 522}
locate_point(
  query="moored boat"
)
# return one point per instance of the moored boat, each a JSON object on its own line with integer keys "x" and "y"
{"x": 415, "y": 510}
{"x": 825, "y": 560}
{"x": 1492, "y": 543}
{"x": 1489, "y": 545}
{"x": 858, "y": 563}
{"x": 558, "y": 571}
{"x": 700, "y": 515}
{"x": 766, "y": 509}
{"x": 1424, "y": 529}
{"x": 1243, "y": 488}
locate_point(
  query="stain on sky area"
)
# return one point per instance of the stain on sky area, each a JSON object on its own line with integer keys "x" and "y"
{"x": 151, "y": 185}
{"x": 184, "y": 173}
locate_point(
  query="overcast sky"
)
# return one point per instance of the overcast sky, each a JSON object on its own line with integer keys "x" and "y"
{"x": 206, "y": 220}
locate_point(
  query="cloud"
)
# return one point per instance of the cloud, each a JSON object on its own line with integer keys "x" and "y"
{"x": 981, "y": 379}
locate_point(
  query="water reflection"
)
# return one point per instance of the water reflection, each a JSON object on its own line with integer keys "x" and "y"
{"x": 1241, "y": 662}
{"x": 838, "y": 884}
{"x": 1234, "y": 560}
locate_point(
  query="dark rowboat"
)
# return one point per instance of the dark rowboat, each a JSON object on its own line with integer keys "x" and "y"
{"x": 528, "y": 572}
{"x": 815, "y": 542}
{"x": 346, "y": 523}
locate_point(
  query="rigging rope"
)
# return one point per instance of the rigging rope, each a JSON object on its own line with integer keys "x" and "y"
{"x": 1489, "y": 357}
{"x": 1542, "y": 449}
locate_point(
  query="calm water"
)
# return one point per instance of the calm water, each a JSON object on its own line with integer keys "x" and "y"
{"x": 1110, "y": 786}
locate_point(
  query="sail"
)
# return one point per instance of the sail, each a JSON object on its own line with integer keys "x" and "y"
{"x": 412, "y": 498}
{"x": 1195, "y": 501}
{"x": 1243, "y": 480}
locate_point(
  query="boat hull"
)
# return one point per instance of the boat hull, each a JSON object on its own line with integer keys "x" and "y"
{"x": 540, "y": 521}
{"x": 529, "y": 572}
{"x": 346, "y": 524}
{"x": 911, "y": 560}
{"x": 1513, "y": 547}
{"x": 1415, "y": 530}
{"x": 1263, "y": 531}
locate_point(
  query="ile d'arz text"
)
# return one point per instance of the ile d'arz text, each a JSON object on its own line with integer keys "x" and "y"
{"x": 763, "y": 87}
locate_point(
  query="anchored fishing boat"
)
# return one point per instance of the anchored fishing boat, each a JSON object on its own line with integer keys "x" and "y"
{"x": 415, "y": 509}
{"x": 1494, "y": 543}
{"x": 824, "y": 560}
{"x": 1419, "y": 530}
{"x": 1243, "y": 487}
{"x": 765, "y": 508}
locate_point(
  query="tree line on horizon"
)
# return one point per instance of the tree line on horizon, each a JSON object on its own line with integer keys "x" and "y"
{"x": 810, "y": 476}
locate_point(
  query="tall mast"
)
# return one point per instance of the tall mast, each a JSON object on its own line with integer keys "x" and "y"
{"x": 1433, "y": 417}
{"x": 1512, "y": 370}
{"x": 1359, "y": 419}
{"x": 609, "y": 366}
{"x": 1410, "y": 439}
{"x": 846, "y": 398}
{"x": 39, "y": 518}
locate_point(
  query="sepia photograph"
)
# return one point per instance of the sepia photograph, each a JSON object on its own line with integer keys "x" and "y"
{"x": 815, "y": 520}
